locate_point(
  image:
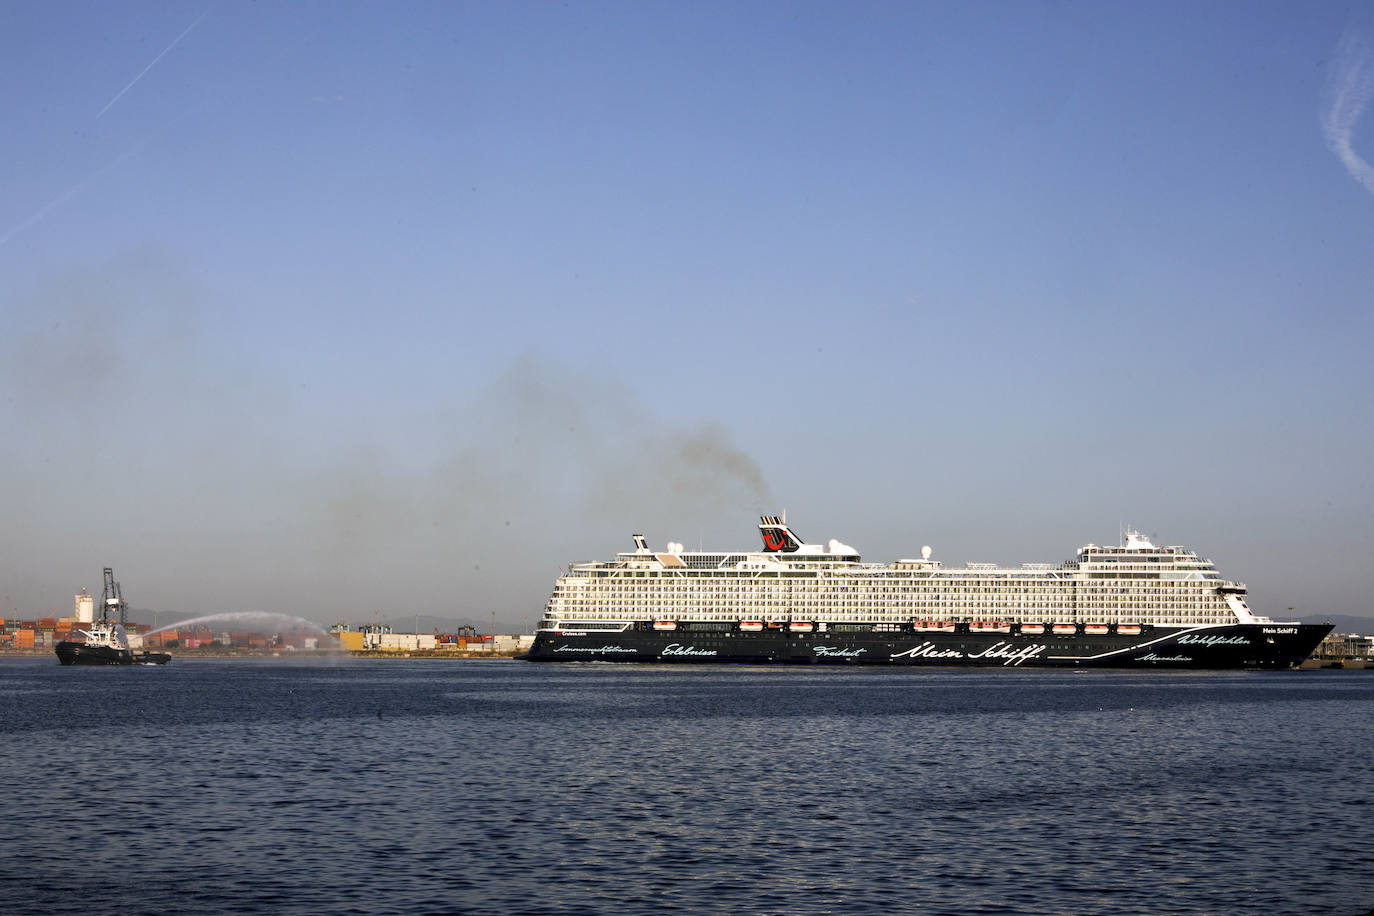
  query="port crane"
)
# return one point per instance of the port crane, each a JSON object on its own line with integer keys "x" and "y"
{"x": 112, "y": 601}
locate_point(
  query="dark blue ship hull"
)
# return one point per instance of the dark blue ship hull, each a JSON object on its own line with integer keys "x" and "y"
{"x": 77, "y": 653}
{"x": 1236, "y": 646}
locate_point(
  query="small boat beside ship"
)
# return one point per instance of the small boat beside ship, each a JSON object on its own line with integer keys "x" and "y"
{"x": 107, "y": 641}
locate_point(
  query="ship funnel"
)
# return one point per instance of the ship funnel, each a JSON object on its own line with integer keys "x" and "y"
{"x": 777, "y": 537}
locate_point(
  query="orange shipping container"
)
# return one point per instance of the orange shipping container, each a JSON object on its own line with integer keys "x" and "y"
{"x": 23, "y": 639}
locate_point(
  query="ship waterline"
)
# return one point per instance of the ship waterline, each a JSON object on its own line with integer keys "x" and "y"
{"x": 1131, "y": 605}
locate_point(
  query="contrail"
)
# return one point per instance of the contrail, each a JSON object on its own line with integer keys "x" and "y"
{"x": 1351, "y": 87}
{"x": 153, "y": 64}
{"x": 69, "y": 194}
{"x": 43, "y": 211}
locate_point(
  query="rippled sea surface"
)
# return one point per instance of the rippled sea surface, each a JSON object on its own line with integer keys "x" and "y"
{"x": 423, "y": 786}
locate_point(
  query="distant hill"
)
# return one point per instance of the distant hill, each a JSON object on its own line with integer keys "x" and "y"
{"x": 1345, "y": 623}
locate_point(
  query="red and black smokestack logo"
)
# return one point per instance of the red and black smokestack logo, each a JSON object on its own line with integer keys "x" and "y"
{"x": 776, "y": 537}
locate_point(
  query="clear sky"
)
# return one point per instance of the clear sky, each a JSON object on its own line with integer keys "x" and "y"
{"x": 368, "y": 310}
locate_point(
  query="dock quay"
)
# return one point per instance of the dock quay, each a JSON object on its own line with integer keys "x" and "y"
{"x": 1343, "y": 650}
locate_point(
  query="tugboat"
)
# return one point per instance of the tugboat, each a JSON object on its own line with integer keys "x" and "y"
{"x": 107, "y": 642}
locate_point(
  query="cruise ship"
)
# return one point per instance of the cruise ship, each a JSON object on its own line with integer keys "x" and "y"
{"x": 1134, "y": 605}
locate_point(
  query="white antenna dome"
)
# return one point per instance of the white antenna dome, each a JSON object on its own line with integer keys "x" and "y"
{"x": 925, "y": 552}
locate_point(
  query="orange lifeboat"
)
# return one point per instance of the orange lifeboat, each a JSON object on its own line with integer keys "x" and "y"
{"x": 1095, "y": 629}
{"x": 989, "y": 626}
{"x": 665, "y": 624}
{"x": 1128, "y": 629}
{"x": 1064, "y": 629}
{"x": 1032, "y": 629}
{"x": 751, "y": 626}
{"x": 801, "y": 626}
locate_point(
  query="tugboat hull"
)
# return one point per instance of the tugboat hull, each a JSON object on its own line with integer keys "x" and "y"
{"x": 77, "y": 653}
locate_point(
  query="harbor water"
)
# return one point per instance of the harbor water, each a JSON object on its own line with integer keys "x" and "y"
{"x": 419, "y": 786}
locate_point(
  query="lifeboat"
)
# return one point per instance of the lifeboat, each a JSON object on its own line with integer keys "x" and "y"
{"x": 1064, "y": 629}
{"x": 801, "y": 626}
{"x": 1128, "y": 629}
{"x": 1032, "y": 629}
{"x": 751, "y": 626}
{"x": 933, "y": 626}
{"x": 1095, "y": 629}
{"x": 989, "y": 626}
{"x": 665, "y": 624}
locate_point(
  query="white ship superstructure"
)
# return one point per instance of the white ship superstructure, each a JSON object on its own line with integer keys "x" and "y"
{"x": 1133, "y": 584}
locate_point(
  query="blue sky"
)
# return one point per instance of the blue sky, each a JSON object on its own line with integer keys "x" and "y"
{"x": 366, "y": 310}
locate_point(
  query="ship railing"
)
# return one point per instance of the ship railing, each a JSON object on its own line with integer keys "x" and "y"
{"x": 591, "y": 626}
